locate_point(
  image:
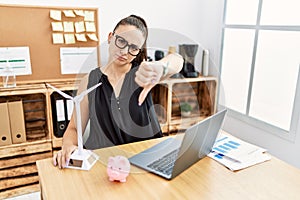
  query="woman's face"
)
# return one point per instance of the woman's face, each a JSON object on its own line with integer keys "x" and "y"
{"x": 124, "y": 44}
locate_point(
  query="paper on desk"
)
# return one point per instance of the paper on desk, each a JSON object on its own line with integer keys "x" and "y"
{"x": 235, "y": 148}
{"x": 237, "y": 154}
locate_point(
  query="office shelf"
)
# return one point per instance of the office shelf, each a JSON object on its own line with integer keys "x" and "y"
{"x": 200, "y": 93}
{"x": 18, "y": 173}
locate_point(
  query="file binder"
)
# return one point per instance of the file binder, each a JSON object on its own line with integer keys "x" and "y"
{"x": 17, "y": 121}
{"x": 5, "y": 135}
{"x": 61, "y": 113}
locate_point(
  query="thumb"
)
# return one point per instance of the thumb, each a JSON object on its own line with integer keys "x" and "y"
{"x": 143, "y": 95}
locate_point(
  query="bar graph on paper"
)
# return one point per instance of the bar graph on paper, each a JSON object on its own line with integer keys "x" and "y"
{"x": 234, "y": 148}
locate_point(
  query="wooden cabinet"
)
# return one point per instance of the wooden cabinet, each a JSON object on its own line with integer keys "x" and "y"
{"x": 65, "y": 86}
{"x": 200, "y": 93}
{"x": 18, "y": 173}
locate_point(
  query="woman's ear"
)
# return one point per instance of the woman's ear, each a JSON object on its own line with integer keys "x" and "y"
{"x": 110, "y": 35}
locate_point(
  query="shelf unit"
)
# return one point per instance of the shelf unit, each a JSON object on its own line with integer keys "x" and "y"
{"x": 66, "y": 85}
{"x": 200, "y": 93}
{"x": 18, "y": 172}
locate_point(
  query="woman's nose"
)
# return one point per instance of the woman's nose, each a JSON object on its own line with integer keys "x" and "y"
{"x": 125, "y": 50}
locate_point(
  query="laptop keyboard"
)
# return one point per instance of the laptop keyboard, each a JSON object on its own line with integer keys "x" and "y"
{"x": 166, "y": 163}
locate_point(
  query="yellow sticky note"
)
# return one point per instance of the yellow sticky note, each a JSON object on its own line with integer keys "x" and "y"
{"x": 69, "y": 38}
{"x": 79, "y": 13}
{"x": 57, "y": 26}
{"x": 90, "y": 27}
{"x": 55, "y": 14}
{"x": 89, "y": 16}
{"x": 57, "y": 38}
{"x": 69, "y": 13}
{"x": 93, "y": 36}
{"x": 79, "y": 27}
{"x": 69, "y": 27}
{"x": 80, "y": 37}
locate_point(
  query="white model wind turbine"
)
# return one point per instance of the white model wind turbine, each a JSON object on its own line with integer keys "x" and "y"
{"x": 80, "y": 158}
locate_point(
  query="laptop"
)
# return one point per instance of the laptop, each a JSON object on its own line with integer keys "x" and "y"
{"x": 174, "y": 155}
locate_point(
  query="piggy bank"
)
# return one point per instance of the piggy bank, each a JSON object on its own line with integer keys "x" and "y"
{"x": 118, "y": 168}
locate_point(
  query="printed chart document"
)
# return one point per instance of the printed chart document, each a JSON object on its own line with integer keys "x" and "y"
{"x": 236, "y": 154}
{"x": 76, "y": 60}
{"x": 17, "y": 58}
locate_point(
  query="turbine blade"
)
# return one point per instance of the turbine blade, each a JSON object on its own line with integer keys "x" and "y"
{"x": 60, "y": 92}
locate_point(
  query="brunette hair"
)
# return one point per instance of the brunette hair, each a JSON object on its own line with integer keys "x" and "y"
{"x": 141, "y": 25}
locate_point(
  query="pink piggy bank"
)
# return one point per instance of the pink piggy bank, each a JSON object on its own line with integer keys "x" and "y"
{"x": 118, "y": 168}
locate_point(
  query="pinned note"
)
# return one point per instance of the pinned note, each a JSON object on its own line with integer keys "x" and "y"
{"x": 90, "y": 27}
{"x": 55, "y": 14}
{"x": 79, "y": 27}
{"x": 79, "y": 13}
{"x": 18, "y": 59}
{"x": 57, "y": 26}
{"x": 69, "y": 38}
{"x": 89, "y": 16}
{"x": 80, "y": 37}
{"x": 92, "y": 36}
{"x": 76, "y": 60}
{"x": 69, "y": 13}
{"x": 69, "y": 27}
{"x": 57, "y": 38}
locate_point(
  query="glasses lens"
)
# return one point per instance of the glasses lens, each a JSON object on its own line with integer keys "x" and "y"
{"x": 121, "y": 42}
{"x": 133, "y": 50}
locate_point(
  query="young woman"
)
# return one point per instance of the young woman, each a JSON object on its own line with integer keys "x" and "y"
{"x": 121, "y": 109}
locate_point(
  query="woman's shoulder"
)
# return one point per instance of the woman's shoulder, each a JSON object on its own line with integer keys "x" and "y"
{"x": 94, "y": 76}
{"x": 95, "y": 71}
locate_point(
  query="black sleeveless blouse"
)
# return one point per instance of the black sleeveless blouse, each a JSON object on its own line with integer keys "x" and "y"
{"x": 119, "y": 120}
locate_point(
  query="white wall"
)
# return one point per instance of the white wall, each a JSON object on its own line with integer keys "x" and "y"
{"x": 198, "y": 20}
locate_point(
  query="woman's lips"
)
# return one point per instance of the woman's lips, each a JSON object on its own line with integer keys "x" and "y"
{"x": 121, "y": 58}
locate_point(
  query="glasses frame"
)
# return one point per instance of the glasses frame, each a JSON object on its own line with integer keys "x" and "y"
{"x": 127, "y": 45}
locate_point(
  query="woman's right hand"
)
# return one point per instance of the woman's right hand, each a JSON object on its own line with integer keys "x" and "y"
{"x": 62, "y": 157}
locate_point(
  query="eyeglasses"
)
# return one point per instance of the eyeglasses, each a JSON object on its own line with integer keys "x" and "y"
{"x": 122, "y": 44}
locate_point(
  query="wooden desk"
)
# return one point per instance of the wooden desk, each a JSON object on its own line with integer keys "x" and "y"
{"x": 207, "y": 179}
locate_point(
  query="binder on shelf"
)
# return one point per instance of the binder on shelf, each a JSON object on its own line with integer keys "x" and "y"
{"x": 61, "y": 113}
{"x": 5, "y": 135}
{"x": 17, "y": 121}
{"x": 70, "y": 107}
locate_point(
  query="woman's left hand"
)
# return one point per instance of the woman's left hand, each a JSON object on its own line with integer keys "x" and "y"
{"x": 147, "y": 76}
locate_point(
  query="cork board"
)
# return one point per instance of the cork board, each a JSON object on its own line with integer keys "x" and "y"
{"x": 31, "y": 26}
